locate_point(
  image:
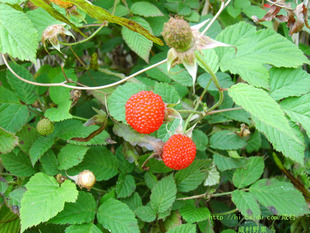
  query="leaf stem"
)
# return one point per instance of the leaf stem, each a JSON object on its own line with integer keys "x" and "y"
{"x": 99, "y": 190}
{"x": 87, "y": 39}
{"x": 224, "y": 110}
{"x": 204, "y": 195}
{"x": 227, "y": 212}
{"x": 79, "y": 118}
{"x": 223, "y": 5}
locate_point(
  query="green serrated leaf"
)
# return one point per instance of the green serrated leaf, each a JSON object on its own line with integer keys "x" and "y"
{"x": 191, "y": 177}
{"x": 15, "y": 197}
{"x": 17, "y": 163}
{"x": 26, "y": 92}
{"x": 7, "y": 96}
{"x": 167, "y": 92}
{"x": 13, "y": 117}
{"x": 133, "y": 202}
{"x": 60, "y": 113}
{"x": 298, "y": 109}
{"x": 125, "y": 186}
{"x": 254, "y": 143}
{"x": 10, "y": 222}
{"x": 3, "y": 186}
{"x": 288, "y": 82}
{"x": 49, "y": 163}
{"x": 280, "y": 197}
{"x": 117, "y": 217}
{"x": 213, "y": 177}
{"x": 200, "y": 139}
{"x": 145, "y": 9}
{"x": 246, "y": 204}
{"x": 166, "y": 130}
{"x": 210, "y": 57}
{"x": 191, "y": 214}
{"x": 226, "y": 140}
{"x": 120, "y": 96}
{"x": 146, "y": 213}
{"x": 163, "y": 194}
{"x": 224, "y": 163}
{"x": 44, "y": 198}
{"x": 39, "y": 147}
{"x": 100, "y": 161}
{"x": 82, "y": 211}
{"x": 150, "y": 180}
{"x": 283, "y": 142}
{"x": 71, "y": 155}
{"x": 256, "y": 48}
{"x": 7, "y": 141}
{"x": 27, "y": 136}
{"x": 83, "y": 228}
{"x": 14, "y": 41}
{"x": 183, "y": 228}
{"x": 137, "y": 42}
{"x": 249, "y": 173}
{"x": 261, "y": 106}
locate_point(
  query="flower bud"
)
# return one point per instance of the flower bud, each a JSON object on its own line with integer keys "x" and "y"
{"x": 178, "y": 34}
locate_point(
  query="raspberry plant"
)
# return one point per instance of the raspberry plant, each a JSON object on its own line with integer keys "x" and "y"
{"x": 234, "y": 88}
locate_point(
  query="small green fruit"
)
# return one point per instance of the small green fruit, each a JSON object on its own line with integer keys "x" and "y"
{"x": 178, "y": 34}
{"x": 45, "y": 127}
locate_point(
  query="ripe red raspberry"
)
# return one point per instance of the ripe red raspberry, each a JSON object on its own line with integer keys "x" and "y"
{"x": 179, "y": 152}
{"x": 145, "y": 112}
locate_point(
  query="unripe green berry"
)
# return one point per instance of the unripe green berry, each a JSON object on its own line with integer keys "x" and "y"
{"x": 45, "y": 127}
{"x": 178, "y": 34}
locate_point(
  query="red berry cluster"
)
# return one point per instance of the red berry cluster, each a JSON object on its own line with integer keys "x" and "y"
{"x": 145, "y": 112}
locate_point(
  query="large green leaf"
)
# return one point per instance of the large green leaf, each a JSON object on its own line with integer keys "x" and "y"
{"x": 44, "y": 198}
{"x": 125, "y": 186}
{"x": 262, "y": 106}
{"x": 286, "y": 82}
{"x": 137, "y": 42}
{"x": 100, "y": 161}
{"x": 14, "y": 41}
{"x": 146, "y": 213}
{"x": 10, "y": 222}
{"x": 117, "y": 217}
{"x": 17, "y": 163}
{"x": 246, "y": 204}
{"x": 145, "y": 9}
{"x": 256, "y": 48}
{"x": 120, "y": 96}
{"x": 224, "y": 163}
{"x": 167, "y": 92}
{"x": 13, "y": 116}
{"x": 191, "y": 177}
{"x": 82, "y": 211}
{"x": 283, "y": 142}
{"x": 83, "y": 228}
{"x": 27, "y": 136}
{"x": 226, "y": 140}
{"x": 191, "y": 214}
{"x": 39, "y": 147}
{"x": 163, "y": 194}
{"x": 183, "y": 228}
{"x": 26, "y": 92}
{"x": 298, "y": 109}
{"x": 280, "y": 197}
{"x": 71, "y": 155}
{"x": 7, "y": 141}
{"x": 248, "y": 174}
